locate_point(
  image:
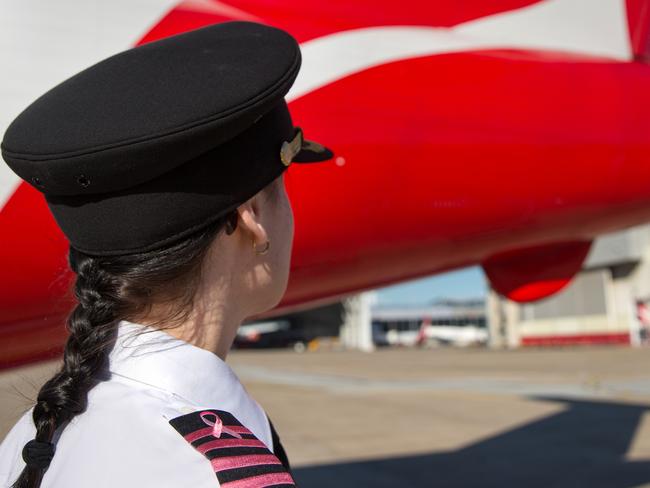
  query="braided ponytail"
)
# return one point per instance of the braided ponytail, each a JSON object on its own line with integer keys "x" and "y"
{"x": 107, "y": 289}
{"x": 65, "y": 394}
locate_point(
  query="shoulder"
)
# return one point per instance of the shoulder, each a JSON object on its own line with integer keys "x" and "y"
{"x": 154, "y": 438}
{"x": 235, "y": 454}
{"x": 124, "y": 439}
{"x": 143, "y": 437}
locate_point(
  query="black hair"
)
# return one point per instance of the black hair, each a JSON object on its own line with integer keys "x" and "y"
{"x": 108, "y": 289}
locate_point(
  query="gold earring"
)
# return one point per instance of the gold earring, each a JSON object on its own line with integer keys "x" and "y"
{"x": 263, "y": 251}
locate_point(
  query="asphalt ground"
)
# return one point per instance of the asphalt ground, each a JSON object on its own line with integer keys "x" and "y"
{"x": 569, "y": 417}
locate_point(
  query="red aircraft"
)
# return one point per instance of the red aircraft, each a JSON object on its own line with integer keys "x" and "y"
{"x": 507, "y": 133}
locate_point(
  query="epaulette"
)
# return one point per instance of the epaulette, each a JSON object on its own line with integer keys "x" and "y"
{"x": 239, "y": 459}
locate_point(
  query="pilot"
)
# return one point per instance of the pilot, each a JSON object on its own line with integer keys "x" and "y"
{"x": 163, "y": 166}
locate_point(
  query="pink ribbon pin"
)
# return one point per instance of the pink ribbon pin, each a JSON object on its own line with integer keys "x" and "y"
{"x": 217, "y": 426}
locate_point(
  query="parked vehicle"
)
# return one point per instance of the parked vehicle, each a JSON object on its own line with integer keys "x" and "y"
{"x": 270, "y": 334}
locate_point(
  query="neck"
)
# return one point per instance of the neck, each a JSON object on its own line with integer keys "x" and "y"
{"x": 212, "y": 324}
{"x": 219, "y": 306}
{"x": 215, "y": 334}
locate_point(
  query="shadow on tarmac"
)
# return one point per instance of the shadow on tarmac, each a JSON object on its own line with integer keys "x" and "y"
{"x": 582, "y": 446}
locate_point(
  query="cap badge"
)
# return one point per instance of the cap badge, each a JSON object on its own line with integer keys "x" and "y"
{"x": 291, "y": 148}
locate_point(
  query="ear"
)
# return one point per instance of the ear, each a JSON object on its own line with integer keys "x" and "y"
{"x": 251, "y": 223}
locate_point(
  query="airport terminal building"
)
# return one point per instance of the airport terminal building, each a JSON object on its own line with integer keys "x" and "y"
{"x": 443, "y": 322}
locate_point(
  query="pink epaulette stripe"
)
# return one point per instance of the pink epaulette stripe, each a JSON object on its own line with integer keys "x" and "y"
{"x": 240, "y": 429}
{"x": 232, "y": 462}
{"x": 226, "y": 443}
{"x": 261, "y": 481}
{"x": 199, "y": 434}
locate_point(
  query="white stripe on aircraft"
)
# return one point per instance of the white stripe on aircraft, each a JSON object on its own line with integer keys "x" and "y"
{"x": 586, "y": 27}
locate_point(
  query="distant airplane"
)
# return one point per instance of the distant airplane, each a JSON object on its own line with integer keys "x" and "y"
{"x": 507, "y": 133}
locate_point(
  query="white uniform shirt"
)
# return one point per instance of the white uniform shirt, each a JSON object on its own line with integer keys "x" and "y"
{"x": 125, "y": 439}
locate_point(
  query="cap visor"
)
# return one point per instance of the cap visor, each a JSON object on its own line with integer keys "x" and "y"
{"x": 312, "y": 152}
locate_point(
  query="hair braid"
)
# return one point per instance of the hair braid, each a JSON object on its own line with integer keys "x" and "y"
{"x": 86, "y": 351}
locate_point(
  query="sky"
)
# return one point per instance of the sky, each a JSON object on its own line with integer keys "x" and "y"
{"x": 464, "y": 283}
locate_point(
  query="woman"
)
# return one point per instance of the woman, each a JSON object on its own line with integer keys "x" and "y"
{"x": 163, "y": 166}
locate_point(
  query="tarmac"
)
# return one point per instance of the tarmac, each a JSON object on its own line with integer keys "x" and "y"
{"x": 568, "y": 417}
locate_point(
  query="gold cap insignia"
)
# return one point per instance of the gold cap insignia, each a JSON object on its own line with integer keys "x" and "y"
{"x": 290, "y": 148}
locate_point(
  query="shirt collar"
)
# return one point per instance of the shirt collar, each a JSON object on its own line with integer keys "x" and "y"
{"x": 153, "y": 357}
{"x": 194, "y": 376}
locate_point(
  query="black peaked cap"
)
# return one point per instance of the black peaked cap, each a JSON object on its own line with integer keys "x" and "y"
{"x": 155, "y": 142}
